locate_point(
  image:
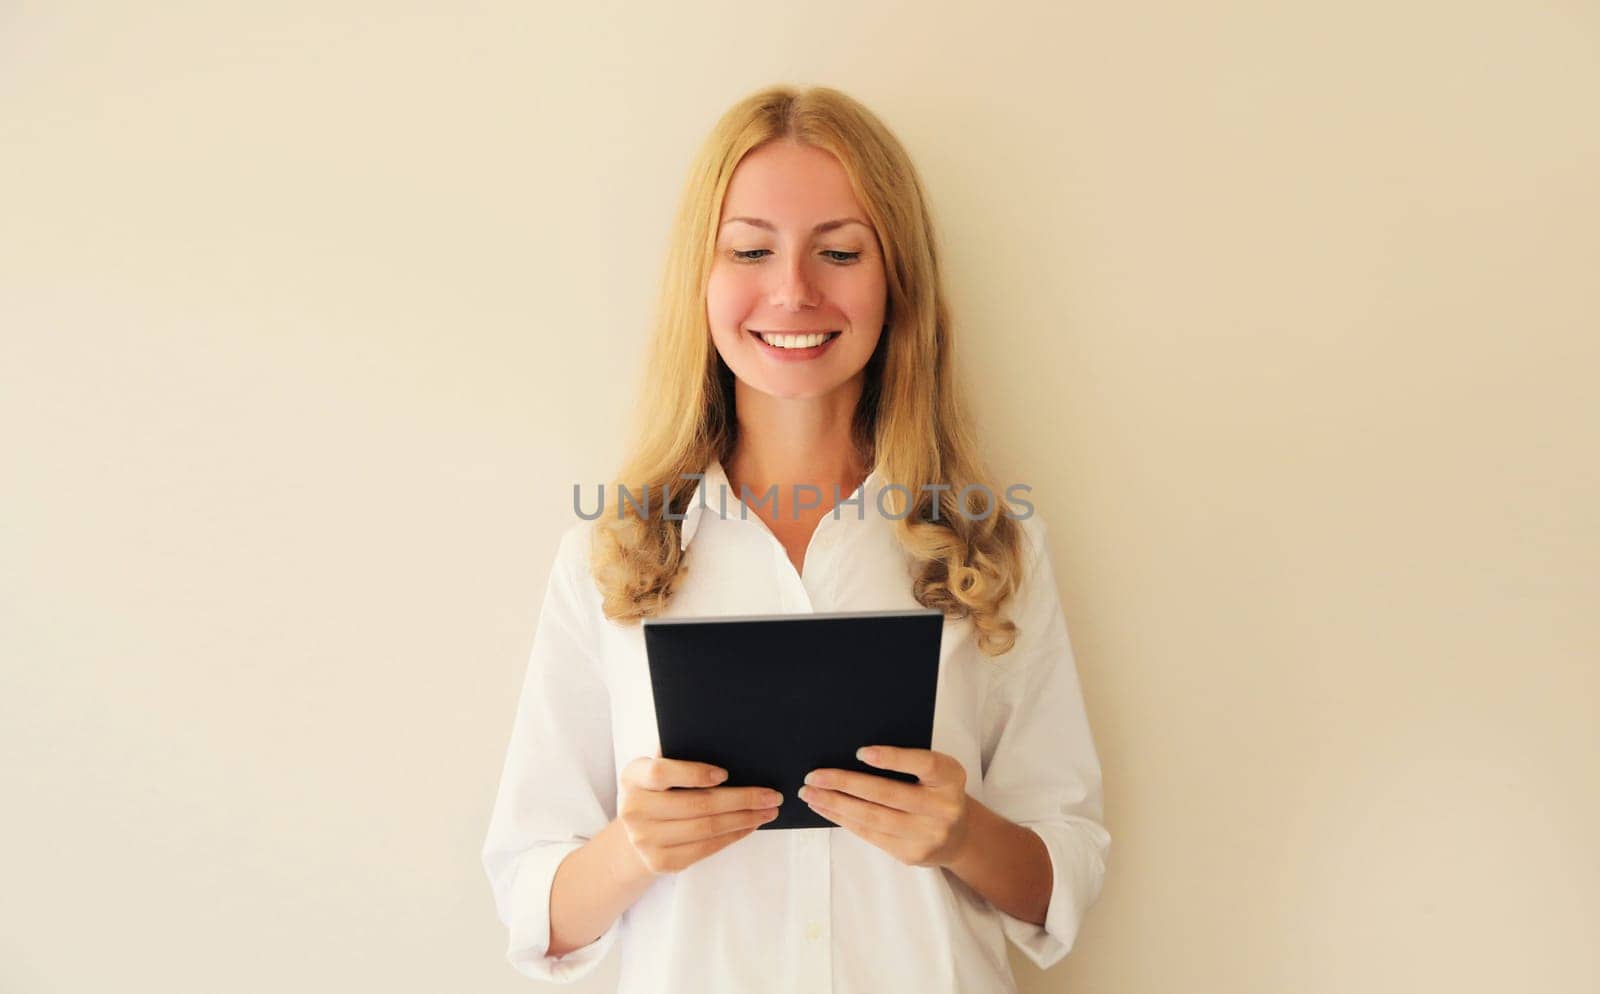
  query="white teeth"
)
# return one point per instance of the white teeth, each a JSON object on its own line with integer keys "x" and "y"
{"x": 795, "y": 341}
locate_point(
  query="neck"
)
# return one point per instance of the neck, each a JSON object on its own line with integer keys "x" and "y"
{"x": 787, "y": 441}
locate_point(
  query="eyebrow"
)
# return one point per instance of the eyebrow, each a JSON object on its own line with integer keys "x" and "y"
{"x": 824, "y": 226}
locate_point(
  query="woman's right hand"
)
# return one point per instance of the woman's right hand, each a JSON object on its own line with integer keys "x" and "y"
{"x": 674, "y": 829}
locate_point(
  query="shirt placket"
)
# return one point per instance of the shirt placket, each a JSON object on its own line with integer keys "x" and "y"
{"x": 811, "y": 870}
{"x": 792, "y": 593}
{"x": 811, "y": 849}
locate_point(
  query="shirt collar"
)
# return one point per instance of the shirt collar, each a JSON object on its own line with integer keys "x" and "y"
{"x": 714, "y": 483}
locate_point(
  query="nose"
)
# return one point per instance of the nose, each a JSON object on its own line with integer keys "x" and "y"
{"x": 794, "y": 289}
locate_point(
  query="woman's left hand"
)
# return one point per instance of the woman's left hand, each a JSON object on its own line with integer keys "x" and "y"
{"x": 920, "y": 824}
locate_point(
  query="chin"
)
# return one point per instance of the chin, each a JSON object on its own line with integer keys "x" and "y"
{"x": 783, "y": 393}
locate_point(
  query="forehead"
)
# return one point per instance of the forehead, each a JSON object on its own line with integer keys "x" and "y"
{"x": 791, "y": 184}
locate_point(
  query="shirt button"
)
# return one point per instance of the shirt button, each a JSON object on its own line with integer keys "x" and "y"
{"x": 813, "y": 931}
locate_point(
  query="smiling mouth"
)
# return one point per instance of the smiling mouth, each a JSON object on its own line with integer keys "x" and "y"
{"x": 795, "y": 340}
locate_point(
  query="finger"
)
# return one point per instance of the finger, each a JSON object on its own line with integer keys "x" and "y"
{"x": 834, "y": 805}
{"x": 675, "y": 833}
{"x": 692, "y": 852}
{"x": 681, "y": 805}
{"x": 891, "y": 844}
{"x": 920, "y": 763}
{"x": 655, "y": 773}
{"x": 895, "y": 794}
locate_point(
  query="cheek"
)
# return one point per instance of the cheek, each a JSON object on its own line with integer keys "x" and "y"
{"x": 730, "y": 297}
{"x": 862, "y": 299}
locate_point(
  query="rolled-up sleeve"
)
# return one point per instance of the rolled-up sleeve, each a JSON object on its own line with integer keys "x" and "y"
{"x": 1040, "y": 767}
{"x": 558, "y": 786}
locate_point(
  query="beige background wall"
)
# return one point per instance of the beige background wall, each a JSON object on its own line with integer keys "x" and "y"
{"x": 311, "y": 314}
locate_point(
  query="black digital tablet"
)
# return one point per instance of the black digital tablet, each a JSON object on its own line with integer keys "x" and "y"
{"x": 769, "y": 698}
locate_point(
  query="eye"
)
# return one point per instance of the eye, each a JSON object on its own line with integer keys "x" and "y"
{"x": 833, "y": 255}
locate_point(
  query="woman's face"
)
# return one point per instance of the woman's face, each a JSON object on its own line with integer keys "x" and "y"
{"x": 795, "y": 254}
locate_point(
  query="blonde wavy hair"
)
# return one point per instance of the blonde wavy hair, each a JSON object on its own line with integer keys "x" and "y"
{"x": 910, "y": 422}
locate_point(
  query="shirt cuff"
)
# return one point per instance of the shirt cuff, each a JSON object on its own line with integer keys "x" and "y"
{"x": 1078, "y": 851}
{"x": 530, "y": 923}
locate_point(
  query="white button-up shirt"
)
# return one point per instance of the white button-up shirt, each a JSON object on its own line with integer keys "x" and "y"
{"x": 795, "y": 910}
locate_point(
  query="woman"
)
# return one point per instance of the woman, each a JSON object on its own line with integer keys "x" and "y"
{"x": 803, "y": 339}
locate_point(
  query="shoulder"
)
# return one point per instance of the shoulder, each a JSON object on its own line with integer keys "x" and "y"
{"x": 1036, "y": 595}
{"x": 571, "y": 567}
{"x": 574, "y": 542}
{"x": 1035, "y": 535}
